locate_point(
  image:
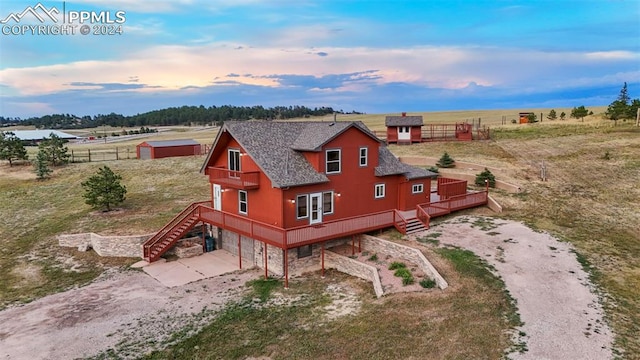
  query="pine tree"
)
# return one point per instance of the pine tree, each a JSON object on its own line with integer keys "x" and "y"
{"x": 552, "y": 115}
{"x": 54, "y": 150}
{"x": 11, "y": 148}
{"x": 104, "y": 190}
{"x": 41, "y": 166}
{"x": 486, "y": 175}
{"x": 563, "y": 115}
{"x": 621, "y": 108}
{"x": 532, "y": 118}
{"x": 579, "y": 112}
{"x": 446, "y": 161}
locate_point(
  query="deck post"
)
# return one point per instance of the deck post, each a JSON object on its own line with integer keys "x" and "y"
{"x": 240, "y": 251}
{"x": 353, "y": 245}
{"x": 266, "y": 274}
{"x": 322, "y": 256}
{"x": 359, "y": 243}
{"x": 204, "y": 245}
{"x": 286, "y": 268}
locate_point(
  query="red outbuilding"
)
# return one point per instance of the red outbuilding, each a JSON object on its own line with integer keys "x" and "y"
{"x": 404, "y": 129}
{"x": 282, "y": 192}
{"x": 167, "y": 148}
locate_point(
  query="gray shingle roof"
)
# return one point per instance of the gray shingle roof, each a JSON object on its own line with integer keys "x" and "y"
{"x": 403, "y": 121}
{"x": 276, "y": 148}
{"x": 166, "y": 143}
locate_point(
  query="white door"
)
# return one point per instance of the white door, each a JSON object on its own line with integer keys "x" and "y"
{"x": 404, "y": 133}
{"x": 315, "y": 206}
{"x": 217, "y": 197}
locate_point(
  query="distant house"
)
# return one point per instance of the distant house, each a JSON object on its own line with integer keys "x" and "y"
{"x": 524, "y": 117}
{"x": 168, "y": 148}
{"x": 403, "y": 129}
{"x": 35, "y": 136}
{"x": 281, "y": 192}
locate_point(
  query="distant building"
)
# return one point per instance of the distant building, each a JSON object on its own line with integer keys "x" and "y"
{"x": 524, "y": 117}
{"x": 35, "y": 136}
{"x": 168, "y": 148}
{"x": 403, "y": 129}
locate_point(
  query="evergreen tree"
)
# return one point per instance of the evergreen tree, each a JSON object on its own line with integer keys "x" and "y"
{"x": 486, "y": 175}
{"x": 11, "y": 148}
{"x": 446, "y": 161}
{"x": 621, "y": 108}
{"x": 54, "y": 150}
{"x": 552, "y": 115}
{"x": 104, "y": 190}
{"x": 532, "y": 118}
{"x": 579, "y": 112}
{"x": 563, "y": 115}
{"x": 41, "y": 166}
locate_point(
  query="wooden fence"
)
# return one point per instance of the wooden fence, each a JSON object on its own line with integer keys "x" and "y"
{"x": 118, "y": 153}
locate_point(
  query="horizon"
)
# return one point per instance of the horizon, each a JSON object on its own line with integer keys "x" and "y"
{"x": 372, "y": 57}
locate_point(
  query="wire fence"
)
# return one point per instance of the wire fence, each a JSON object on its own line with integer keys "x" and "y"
{"x": 89, "y": 155}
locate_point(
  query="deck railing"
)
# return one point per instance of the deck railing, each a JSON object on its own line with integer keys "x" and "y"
{"x": 453, "y": 203}
{"x": 234, "y": 179}
{"x": 399, "y": 222}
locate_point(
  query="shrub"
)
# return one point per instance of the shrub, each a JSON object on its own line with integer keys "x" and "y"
{"x": 402, "y": 272}
{"x": 514, "y": 121}
{"x": 374, "y": 257}
{"x": 407, "y": 280}
{"x": 428, "y": 283}
{"x": 433, "y": 169}
{"x": 485, "y": 175}
{"x": 397, "y": 265}
{"x": 446, "y": 161}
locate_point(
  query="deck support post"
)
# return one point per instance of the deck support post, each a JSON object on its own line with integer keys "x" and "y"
{"x": 353, "y": 245}
{"x": 266, "y": 274}
{"x": 204, "y": 245}
{"x": 359, "y": 243}
{"x": 286, "y": 268}
{"x": 240, "y": 251}
{"x": 322, "y": 257}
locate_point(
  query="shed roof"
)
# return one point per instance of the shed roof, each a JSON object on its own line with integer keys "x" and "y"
{"x": 276, "y": 148}
{"x": 415, "y": 120}
{"x": 167, "y": 143}
{"x": 27, "y": 135}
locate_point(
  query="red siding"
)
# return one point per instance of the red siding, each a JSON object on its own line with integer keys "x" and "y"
{"x": 392, "y": 134}
{"x": 407, "y": 200}
{"x": 169, "y": 151}
{"x": 416, "y": 133}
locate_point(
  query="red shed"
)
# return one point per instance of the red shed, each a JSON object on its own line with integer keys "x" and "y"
{"x": 403, "y": 129}
{"x": 168, "y": 148}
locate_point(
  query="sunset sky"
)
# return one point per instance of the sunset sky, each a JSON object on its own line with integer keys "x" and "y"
{"x": 370, "y": 56}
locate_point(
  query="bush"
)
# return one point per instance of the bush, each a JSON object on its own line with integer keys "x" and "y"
{"x": 433, "y": 169}
{"x": 397, "y": 265}
{"x": 405, "y": 274}
{"x": 408, "y": 280}
{"x": 428, "y": 283}
{"x": 373, "y": 257}
{"x": 446, "y": 161}
{"x": 485, "y": 175}
{"x": 514, "y": 121}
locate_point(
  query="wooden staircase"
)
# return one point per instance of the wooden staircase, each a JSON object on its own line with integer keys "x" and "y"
{"x": 164, "y": 239}
{"x": 414, "y": 225}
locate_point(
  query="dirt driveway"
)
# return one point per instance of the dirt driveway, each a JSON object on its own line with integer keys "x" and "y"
{"x": 562, "y": 317}
{"x": 128, "y": 311}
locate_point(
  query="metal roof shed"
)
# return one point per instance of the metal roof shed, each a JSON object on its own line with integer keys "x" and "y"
{"x": 168, "y": 148}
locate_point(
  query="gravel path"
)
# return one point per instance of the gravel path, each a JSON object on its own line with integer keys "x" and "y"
{"x": 562, "y": 318}
{"x": 125, "y": 311}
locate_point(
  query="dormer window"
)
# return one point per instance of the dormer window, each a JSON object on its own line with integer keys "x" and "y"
{"x": 333, "y": 158}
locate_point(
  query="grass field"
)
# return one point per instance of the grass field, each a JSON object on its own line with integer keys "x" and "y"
{"x": 590, "y": 199}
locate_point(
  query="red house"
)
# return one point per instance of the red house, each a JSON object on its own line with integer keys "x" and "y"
{"x": 284, "y": 191}
{"x": 403, "y": 129}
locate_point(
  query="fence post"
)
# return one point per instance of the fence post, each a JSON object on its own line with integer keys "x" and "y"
{"x": 89, "y": 152}
{"x": 117, "y": 158}
{"x": 72, "y": 158}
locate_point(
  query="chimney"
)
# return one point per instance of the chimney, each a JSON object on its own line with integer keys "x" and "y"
{"x": 404, "y": 114}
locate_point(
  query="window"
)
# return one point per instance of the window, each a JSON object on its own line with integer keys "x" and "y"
{"x": 403, "y": 129}
{"x": 333, "y": 161}
{"x": 304, "y": 251}
{"x": 417, "y": 188}
{"x": 302, "y": 206}
{"x": 379, "y": 191}
{"x": 363, "y": 156}
{"x": 242, "y": 202}
{"x": 327, "y": 202}
{"x": 234, "y": 160}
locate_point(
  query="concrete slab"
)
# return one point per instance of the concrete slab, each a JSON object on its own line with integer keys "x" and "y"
{"x": 184, "y": 271}
{"x": 140, "y": 264}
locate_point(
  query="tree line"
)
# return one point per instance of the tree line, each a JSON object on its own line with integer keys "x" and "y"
{"x": 185, "y": 115}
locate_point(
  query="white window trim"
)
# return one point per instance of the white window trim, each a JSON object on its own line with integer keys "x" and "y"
{"x": 375, "y": 191}
{"x": 420, "y": 188}
{"x": 332, "y": 203}
{"x": 230, "y": 151}
{"x": 306, "y": 201}
{"x": 365, "y": 157}
{"x": 246, "y": 202}
{"x": 326, "y": 161}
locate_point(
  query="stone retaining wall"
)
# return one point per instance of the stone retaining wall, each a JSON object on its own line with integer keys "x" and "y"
{"x": 354, "y": 268}
{"x": 406, "y": 253}
{"x": 115, "y": 245}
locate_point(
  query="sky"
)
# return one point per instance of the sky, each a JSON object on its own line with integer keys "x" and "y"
{"x": 378, "y": 56}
